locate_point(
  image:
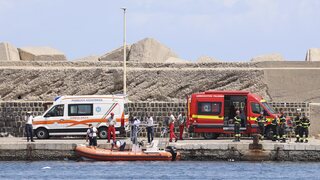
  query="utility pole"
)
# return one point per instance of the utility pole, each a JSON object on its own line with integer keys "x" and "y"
{"x": 124, "y": 53}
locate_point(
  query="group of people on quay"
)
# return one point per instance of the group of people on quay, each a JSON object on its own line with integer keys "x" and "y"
{"x": 148, "y": 122}
{"x": 280, "y": 127}
{"x": 136, "y": 125}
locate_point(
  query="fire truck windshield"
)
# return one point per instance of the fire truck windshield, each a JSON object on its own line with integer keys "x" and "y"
{"x": 270, "y": 109}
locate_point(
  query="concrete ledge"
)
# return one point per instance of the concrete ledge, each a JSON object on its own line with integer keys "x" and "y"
{"x": 208, "y": 150}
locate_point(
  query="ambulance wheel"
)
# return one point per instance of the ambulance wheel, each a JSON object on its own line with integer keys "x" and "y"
{"x": 103, "y": 132}
{"x": 42, "y": 133}
{"x": 210, "y": 135}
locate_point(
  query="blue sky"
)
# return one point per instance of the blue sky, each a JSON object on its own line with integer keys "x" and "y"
{"x": 229, "y": 30}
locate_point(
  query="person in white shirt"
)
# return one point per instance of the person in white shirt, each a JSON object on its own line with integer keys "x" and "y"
{"x": 92, "y": 136}
{"x": 28, "y": 127}
{"x": 111, "y": 121}
{"x": 149, "y": 128}
{"x": 135, "y": 130}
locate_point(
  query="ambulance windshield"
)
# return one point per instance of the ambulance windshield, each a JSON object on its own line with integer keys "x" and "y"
{"x": 270, "y": 109}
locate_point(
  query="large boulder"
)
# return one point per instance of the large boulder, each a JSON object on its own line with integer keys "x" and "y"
{"x": 150, "y": 50}
{"x": 8, "y": 52}
{"x": 313, "y": 54}
{"x": 268, "y": 57}
{"x": 41, "y": 54}
{"x": 116, "y": 55}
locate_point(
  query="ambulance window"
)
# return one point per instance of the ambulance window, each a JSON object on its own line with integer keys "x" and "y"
{"x": 55, "y": 111}
{"x": 256, "y": 108}
{"x": 80, "y": 109}
{"x": 210, "y": 108}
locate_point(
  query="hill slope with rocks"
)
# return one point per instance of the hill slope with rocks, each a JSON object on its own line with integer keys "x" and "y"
{"x": 276, "y": 81}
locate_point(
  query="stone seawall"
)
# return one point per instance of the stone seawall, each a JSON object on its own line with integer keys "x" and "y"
{"x": 12, "y": 149}
{"x": 162, "y": 84}
{"x": 275, "y": 81}
{"x": 12, "y": 113}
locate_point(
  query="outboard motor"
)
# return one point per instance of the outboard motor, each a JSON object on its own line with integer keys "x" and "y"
{"x": 173, "y": 152}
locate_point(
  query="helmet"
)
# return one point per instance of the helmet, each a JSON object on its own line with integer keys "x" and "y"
{"x": 29, "y": 112}
{"x": 261, "y": 112}
{"x": 112, "y": 113}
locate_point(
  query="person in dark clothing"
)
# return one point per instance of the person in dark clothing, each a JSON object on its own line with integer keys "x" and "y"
{"x": 120, "y": 145}
{"x": 28, "y": 127}
{"x": 150, "y": 125}
{"x": 237, "y": 125}
{"x": 304, "y": 130}
{"x": 92, "y": 136}
{"x": 275, "y": 126}
{"x": 297, "y": 125}
{"x": 261, "y": 124}
{"x": 282, "y": 126}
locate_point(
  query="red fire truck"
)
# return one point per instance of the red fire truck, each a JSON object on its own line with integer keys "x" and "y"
{"x": 212, "y": 112}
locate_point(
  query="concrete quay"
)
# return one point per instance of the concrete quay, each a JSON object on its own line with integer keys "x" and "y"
{"x": 15, "y": 149}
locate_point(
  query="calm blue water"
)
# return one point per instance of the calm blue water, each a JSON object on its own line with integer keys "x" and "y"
{"x": 158, "y": 170}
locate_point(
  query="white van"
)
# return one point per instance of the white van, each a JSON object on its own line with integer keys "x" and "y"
{"x": 71, "y": 115}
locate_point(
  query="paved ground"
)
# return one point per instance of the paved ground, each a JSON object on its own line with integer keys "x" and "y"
{"x": 19, "y": 140}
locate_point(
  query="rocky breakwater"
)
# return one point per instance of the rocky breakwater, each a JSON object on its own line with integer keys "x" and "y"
{"x": 146, "y": 82}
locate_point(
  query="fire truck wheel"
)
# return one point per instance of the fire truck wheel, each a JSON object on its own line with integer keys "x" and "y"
{"x": 103, "y": 132}
{"x": 210, "y": 135}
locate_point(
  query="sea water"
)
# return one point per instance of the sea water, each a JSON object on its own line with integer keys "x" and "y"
{"x": 158, "y": 170}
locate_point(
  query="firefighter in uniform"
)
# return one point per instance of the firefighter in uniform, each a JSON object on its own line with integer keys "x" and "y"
{"x": 297, "y": 125}
{"x": 172, "y": 120}
{"x": 111, "y": 121}
{"x": 304, "y": 129}
{"x": 237, "y": 125}
{"x": 282, "y": 126}
{"x": 261, "y": 123}
{"x": 274, "y": 126}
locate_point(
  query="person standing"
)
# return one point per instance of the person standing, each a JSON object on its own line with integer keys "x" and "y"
{"x": 182, "y": 121}
{"x": 261, "y": 124}
{"x": 172, "y": 120}
{"x": 28, "y": 127}
{"x": 275, "y": 128}
{"x": 282, "y": 126}
{"x": 297, "y": 125}
{"x": 304, "y": 130}
{"x": 135, "y": 130}
{"x": 92, "y": 136}
{"x": 237, "y": 125}
{"x": 149, "y": 128}
{"x": 111, "y": 121}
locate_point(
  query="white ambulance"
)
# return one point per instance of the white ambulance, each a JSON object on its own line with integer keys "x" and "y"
{"x": 71, "y": 115}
